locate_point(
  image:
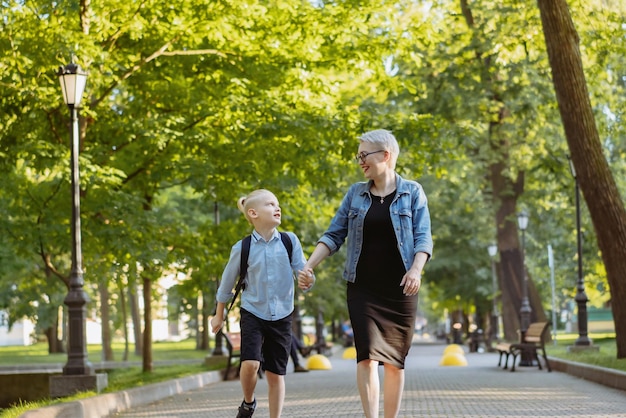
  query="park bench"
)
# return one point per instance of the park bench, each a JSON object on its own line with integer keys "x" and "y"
{"x": 533, "y": 342}
{"x": 233, "y": 345}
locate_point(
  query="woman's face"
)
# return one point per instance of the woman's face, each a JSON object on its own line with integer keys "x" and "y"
{"x": 372, "y": 159}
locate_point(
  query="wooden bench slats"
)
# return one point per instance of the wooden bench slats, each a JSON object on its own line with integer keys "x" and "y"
{"x": 533, "y": 342}
{"x": 233, "y": 345}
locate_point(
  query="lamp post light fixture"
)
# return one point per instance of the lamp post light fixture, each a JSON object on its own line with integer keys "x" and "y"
{"x": 495, "y": 317}
{"x": 581, "y": 297}
{"x": 73, "y": 80}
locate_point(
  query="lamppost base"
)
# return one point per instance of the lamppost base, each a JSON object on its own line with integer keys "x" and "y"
{"x": 527, "y": 359}
{"x": 214, "y": 360}
{"x": 67, "y": 385}
{"x": 582, "y": 348}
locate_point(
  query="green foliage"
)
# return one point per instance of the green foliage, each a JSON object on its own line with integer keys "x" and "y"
{"x": 191, "y": 104}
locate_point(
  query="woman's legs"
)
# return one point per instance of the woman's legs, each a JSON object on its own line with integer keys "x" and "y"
{"x": 393, "y": 386}
{"x": 276, "y": 393}
{"x": 369, "y": 386}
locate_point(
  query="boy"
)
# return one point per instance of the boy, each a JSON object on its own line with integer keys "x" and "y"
{"x": 266, "y": 302}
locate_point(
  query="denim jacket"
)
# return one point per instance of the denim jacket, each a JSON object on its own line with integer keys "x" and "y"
{"x": 409, "y": 216}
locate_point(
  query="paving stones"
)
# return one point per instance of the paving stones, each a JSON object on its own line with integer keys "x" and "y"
{"x": 479, "y": 390}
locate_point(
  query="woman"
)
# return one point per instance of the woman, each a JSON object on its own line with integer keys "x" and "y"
{"x": 387, "y": 225}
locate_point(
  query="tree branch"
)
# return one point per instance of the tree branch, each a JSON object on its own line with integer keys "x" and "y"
{"x": 50, "y": 267}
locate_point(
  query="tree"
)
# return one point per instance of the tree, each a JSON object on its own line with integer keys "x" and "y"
{"x": 596, "y": 181}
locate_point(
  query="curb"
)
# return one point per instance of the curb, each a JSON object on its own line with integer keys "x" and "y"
{"x": 110, "y": 403}
{"x": 602, "y": 375}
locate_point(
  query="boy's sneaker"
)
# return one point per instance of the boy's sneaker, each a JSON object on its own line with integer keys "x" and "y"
{"x": 246, "y": 410}
{"x": 300, "y": 369}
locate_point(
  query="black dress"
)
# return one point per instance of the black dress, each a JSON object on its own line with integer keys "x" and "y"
{"x": 383, "y": 318}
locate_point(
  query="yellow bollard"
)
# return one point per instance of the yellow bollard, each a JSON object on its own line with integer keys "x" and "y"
{"x": 453, "y": 359}
{"x": 454, "y": 348}
{"x": 318, "y": 362}
{"x": 349, "y": 353}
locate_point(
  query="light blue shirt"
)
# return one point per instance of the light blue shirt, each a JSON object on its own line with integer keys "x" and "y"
{"x": 269, "y": 284}
{"x": 409, "y": 216}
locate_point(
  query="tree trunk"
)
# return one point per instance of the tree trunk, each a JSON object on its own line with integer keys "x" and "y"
{"x": 124, "y": 322}
{"x": 196, "y": 322}
{"x": 597, "y": 184}
{"x": 204, "y": 341}
{"x": 510, "y": 269}
{"x": 134, "y": 312}
{"x": 505, "y": 192}
{"x": 55, "y": 345}
{"x": 107, "y": 350}
{"x": 147, "y": 319}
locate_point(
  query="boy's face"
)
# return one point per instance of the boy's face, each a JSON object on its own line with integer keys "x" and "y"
{"x": 266, "y": 211}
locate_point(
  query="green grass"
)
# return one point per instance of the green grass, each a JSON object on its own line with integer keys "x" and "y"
{"x": 118, "y": 379}
{"x": 38, "y": 353}
{"x": 605, "y": 357}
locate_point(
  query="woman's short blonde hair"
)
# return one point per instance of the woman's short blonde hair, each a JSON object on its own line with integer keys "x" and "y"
{"x": 385, "y": 140}
{"x": 251, "y": 201}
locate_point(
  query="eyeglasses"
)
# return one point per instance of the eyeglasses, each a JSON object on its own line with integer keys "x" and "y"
{"x": 362, "y": 155}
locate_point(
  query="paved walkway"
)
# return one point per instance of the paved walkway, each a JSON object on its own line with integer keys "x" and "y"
{"x": 480, "y": 389}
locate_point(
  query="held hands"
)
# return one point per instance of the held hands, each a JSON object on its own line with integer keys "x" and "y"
{"x": 411, "y": 281}
{"x": 306, "y": 279}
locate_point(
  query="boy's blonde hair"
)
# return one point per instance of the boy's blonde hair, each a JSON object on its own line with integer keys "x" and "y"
{"x": 250, "y": 201}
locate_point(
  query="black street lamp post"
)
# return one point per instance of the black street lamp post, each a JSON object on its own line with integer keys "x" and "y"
{"x": 78, "y": 374}
{"x": 525, "y": 309}
{"x": 581, "y": 297}
{"x": 73, "y": 81}
{"x": 218, "y": 350}
{"x": 493, "y": 250}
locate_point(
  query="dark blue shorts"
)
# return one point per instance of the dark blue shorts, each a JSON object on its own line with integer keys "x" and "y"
{"x": 266, "y": 341}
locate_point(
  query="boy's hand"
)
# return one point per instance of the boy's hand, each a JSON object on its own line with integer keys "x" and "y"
{"x": 216, "y": 324}
{"x": 306, "y": 279}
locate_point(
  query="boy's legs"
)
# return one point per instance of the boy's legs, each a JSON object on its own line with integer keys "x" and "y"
{"x": 276, "y": 348}
{"x": 276, "y": 393}
{"x": 248, "y": 377}
{"x": 251, "y": 340}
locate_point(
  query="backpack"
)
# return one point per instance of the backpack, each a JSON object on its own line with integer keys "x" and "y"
{"x": 243, "y": 266}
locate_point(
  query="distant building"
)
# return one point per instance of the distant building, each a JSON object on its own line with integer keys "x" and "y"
{"x": 21, "y": 333}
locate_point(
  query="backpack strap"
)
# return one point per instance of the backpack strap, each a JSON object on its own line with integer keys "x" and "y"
{"x": 243, "y": 267}
{"x": 284, "y": 237}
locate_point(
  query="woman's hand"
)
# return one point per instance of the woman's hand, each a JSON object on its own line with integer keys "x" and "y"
{"x": 412, "y": 281}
